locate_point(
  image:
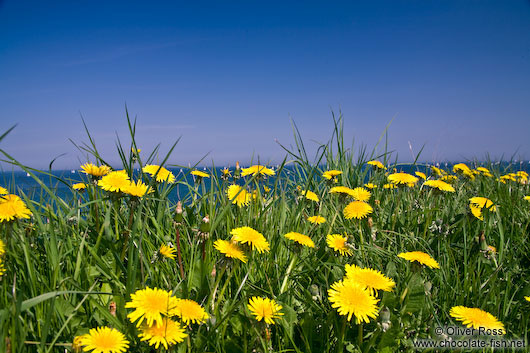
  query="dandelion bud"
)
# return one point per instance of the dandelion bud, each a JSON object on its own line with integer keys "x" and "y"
{"x": 205, "y": 225}
{"x": 112, "y": 308}
{"x": 214, "y": 272}
{"x": 178, "y": 212}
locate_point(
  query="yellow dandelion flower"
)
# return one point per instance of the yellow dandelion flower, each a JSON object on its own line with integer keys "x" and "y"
{"x": 200, "y": 174}
{"x": 361, "y": 194}
{"x": 440, "y": 185}
{"x": 402, "y": 178}
{"x": 115, "y": 181}
{"x": 162, "y": 174}
{"x": 94, "y": 170}
{"x": 79, "y": 186}
{"x": 351, "y": 298}
{"x": 104, "y": 340}
{"x": 389, "y": 186}
{"x": 357, "y": 209}
{"x": 2, "y": 267}
{"x": 527, "y": 198}
{"x": 527, "y": 298}
{"x": 137, "y": 189}
{"x": 476, "y": 211}
{"x": 3, "y": 191}
{"x": 150, "y": 304}
{"x": 476, "y": 318}
{"x": 77, "y": 344}
{"x": 437, "y": 171}
{"x": 167, "y": 251}
{"x": 251, "y": 237}
{"x": 167, "y": 334}
{"x": 257, "y": 170}
{"x": 238, "y": 195}
{"x": 341, "y": 190}
{"x": 449, "y": 178}
{"x": 12, "y": 207}
{"x": 338, "y": 243}
{"x": 421, "y": 257}
{"x": 316, "y": 219}
{"x": 492, "y": 249}
{"x": 482, "y": 202}
{"x": 310, "y": 195}
{"x": 483, "y": 170}
{"x": 264, "y": 309}
{"x": 421, "y": 175}
{"x": 370, "y": 186}
{"x": 331, "y": 174}
{"x": 372, "y": 279}
{"x": 300, "y": 239}
{"x": 229, "y": 249}
{"x": 189, "y": 311}
{"x": 2, "y": 247}
{"x": 463, "y": 169}
{"x": 226, "y": 172}
{"x": 376, "y": 164}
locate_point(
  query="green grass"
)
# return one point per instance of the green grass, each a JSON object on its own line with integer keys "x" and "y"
{"x": 74, "y": 257}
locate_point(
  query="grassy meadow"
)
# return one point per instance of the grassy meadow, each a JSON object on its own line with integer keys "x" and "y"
{"x": 120, "y": 267}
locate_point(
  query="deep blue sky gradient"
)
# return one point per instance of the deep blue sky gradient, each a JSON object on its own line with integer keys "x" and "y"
{"x": 228, "y": 76}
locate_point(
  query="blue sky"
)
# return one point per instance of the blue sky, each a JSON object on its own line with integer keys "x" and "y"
{"x": 229, "y": 76}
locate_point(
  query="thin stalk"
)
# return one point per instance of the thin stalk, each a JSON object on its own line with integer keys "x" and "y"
{"x": 179, "y": 252}
{"x": 340, "y": 343}
{"x": 289, "y": 269}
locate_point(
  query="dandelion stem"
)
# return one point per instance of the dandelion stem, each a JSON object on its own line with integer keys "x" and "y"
{"x": 340, "y": 343}
{"x": 216, "y": 285}
{"x": 179, "y": 255}
{"x": 289, "y": 269}
{"x": 360, "y": 335}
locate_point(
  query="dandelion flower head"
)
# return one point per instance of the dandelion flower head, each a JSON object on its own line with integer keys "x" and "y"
{"x": 200, "y": 174}
{"x": 230, "y": 249}
{"x": 353, "y": 299}
{"x": 361, "y": 194}
{"x": 341, "y": 190}
{"x": 440, "y": 185}
{"x": 316, "y": 219}
{"x": 331, "y": 174}
{"x": 253, "y": 238}
{"x": 12, "y": 207}
{"x": 357, "y": 210}
{"x": 421, "y": 257}
{"x": 257, "y": 170}
{"x": 372, "y": 279}
{"x": 264, "y": 309}
{"x": 189, "y": 311}
{"x": 94, "y": 170}
{"x": 150, "y": 305}
{"x": 476, "y": 318}
{"x": 300, "y": 239}
{"x": 402, "y": 178}
{"x": 137, "y": 189}
{"x": 376, "y": 164}
{"x": 167, "y": 251}
{"x": 104, "y": 340}
{"x": 115, "y": 181}
{"x": 310, "y": 195}
{"x": 338, "y": 243}
{"x": 167, "y": 334}
{"x": 238, "y": 195}
{"x": 162, "y": 174}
